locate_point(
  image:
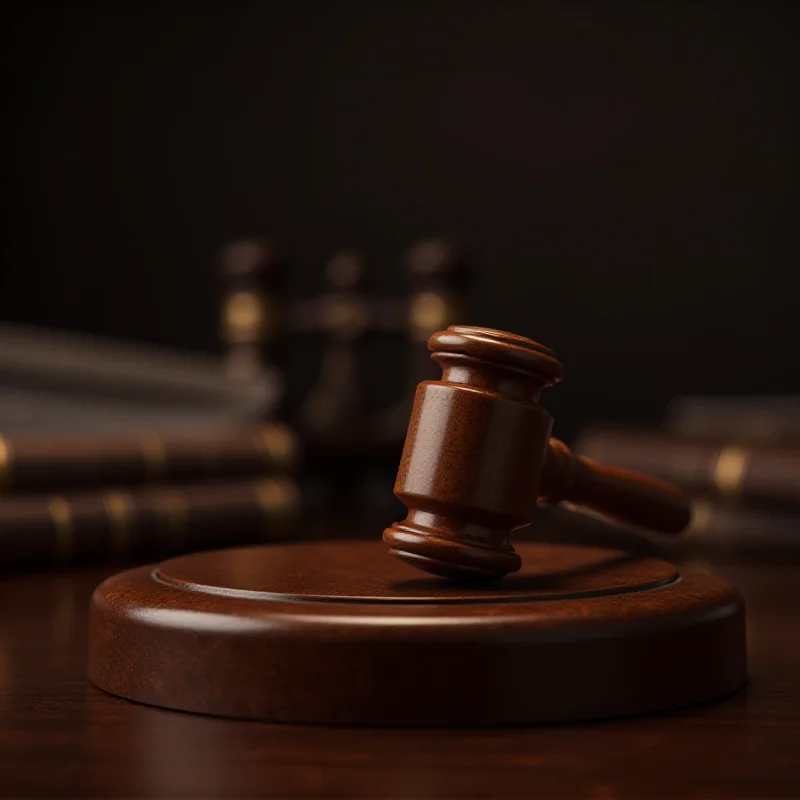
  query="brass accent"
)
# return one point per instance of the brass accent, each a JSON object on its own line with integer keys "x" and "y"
{"x": 428, "y": 313}
{"x": 118, "y": 508}
{"x": 270, "y": 496}
{"x": 5, "y": 464}
{"x": 701, "y": 517}
{"x": 61, "y": 514}
{"x": 155, "y": 457}
{"x": 248, "y": 317}
{"x": 729, "y": 469}
{"x": 279, "y": 444}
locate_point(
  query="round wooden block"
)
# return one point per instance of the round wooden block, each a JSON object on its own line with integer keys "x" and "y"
{"x": 343, "y": 633}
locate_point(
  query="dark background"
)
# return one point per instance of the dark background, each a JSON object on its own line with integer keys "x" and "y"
{"x": 621, "y": 175}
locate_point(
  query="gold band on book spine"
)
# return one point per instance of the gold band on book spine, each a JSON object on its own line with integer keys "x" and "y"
{"x": 729, "y": 470}
{"x": 118, "y": 508}
{"x": 701, "y": 517}
{"x": 279, "y": 444}
{"x": 5, "y": 464}
{"x": 61, "y": 514}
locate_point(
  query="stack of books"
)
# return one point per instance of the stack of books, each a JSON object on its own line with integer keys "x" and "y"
{"x": 118, "y": 451}
{"x": 737, "y": 457}
{"x": 76, "y": 499}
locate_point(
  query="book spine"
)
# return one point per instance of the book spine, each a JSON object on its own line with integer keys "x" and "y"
{"x": 127, "y": 525}
{"x": 724, "y": 530}
{"x": 36, "y": 465}
{"x": 759, "y": 475}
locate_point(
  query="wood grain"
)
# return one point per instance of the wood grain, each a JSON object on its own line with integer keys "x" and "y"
{"x": 342, "y": 633}
{"x": 61, "y": 736}
{"x": 478, "y": 455}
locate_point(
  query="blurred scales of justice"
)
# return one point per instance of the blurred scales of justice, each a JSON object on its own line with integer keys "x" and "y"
{"x": 112, "y": 448}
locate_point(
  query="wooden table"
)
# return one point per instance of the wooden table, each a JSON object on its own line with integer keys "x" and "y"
{"x": 59, "y": 736}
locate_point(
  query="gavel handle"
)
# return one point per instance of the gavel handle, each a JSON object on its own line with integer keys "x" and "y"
{"x": 620, "y": 494}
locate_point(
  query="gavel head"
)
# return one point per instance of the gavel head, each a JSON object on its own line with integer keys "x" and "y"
{"x": 473, "y": 454}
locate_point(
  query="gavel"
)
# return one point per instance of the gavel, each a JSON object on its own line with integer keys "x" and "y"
{"x": 478, "y": 459}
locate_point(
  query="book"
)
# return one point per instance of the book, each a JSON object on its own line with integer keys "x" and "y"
{"x": 745, "y": 419}
{"x": 62, "y": 382}
{"x": 123, "y": 525}
{"x": 720, "y": 529}
{"x": 36, "y": 464}
{"x": 748, "y": 474}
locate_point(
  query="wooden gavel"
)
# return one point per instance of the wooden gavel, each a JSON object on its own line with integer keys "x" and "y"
{"x": 478, "y": 458}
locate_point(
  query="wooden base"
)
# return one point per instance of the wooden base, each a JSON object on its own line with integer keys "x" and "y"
{"x": 342, "y": 633}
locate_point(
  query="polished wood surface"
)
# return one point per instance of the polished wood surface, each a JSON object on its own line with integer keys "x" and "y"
{"x": 340, "y": 632}
{"x": 60, "y": 736}
{"x": 478, "y": 455}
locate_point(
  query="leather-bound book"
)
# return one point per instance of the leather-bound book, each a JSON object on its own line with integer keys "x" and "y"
{"x": 29, "y": 464}
{"x": 55, "y": 382}
{"x": 124, "y": 525}
{"x": 720, "y": 530}
{"x": 756, "y": 474}
{"x": 746, "y": 419}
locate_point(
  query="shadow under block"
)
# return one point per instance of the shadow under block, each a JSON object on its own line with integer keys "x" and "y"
{"x": 341, "y": 632}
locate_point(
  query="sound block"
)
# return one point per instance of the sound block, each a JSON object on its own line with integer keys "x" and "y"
{"x": 342, "y": 633}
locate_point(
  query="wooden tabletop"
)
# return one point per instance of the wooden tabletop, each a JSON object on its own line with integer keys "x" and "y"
{"x": 60, "y": 736}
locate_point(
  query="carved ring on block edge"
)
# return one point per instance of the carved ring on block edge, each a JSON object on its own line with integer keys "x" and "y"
{"x": 342, "y": 633}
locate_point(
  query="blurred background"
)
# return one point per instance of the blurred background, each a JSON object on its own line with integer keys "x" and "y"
{"x": 617, "y": 176}
{"x": 620, "y": 174}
